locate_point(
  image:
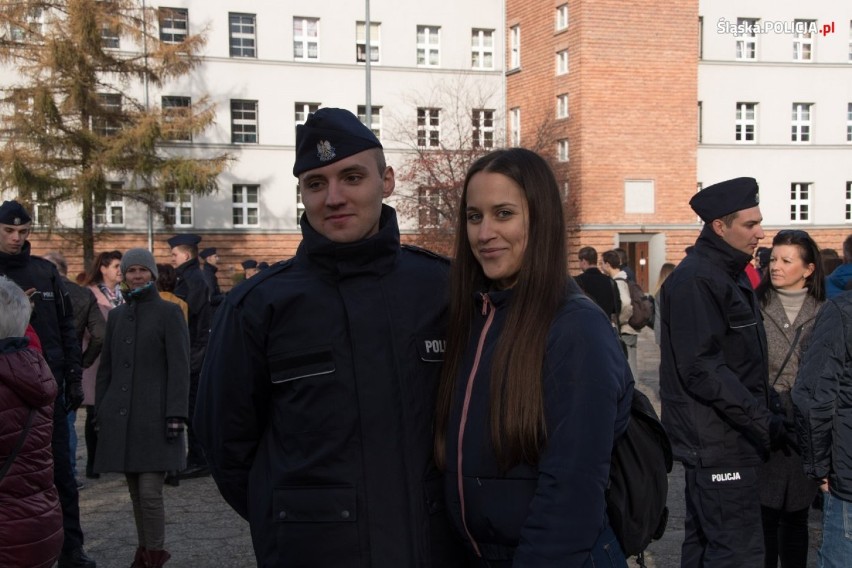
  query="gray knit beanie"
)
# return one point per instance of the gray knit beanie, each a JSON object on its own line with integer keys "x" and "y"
{"x": 141, "y": 257}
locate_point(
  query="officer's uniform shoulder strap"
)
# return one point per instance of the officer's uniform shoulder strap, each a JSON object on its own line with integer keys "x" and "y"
{"x": 426, "y": 252}
{"x": 243, "y": 288}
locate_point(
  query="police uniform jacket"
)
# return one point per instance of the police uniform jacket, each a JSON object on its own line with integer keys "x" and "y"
{"x": 713, "y": 369}
{"x": 191, "y": 287}
{"x": 143, "y": 379}
{"x": 823, "y": 398}
{"x": 53, "y": 315}
{"x": 552, "y": 513}
{"x": 316, "y": 404}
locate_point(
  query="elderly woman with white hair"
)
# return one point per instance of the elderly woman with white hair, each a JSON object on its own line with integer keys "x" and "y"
{"x": 30, "y": 517}
{"x": 141, "y": 399}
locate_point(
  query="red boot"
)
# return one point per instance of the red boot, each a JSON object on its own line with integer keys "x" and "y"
{"x": 139, "y": 559}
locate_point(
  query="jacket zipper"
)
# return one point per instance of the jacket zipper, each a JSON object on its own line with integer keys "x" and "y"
{"x": 487, "y": 309}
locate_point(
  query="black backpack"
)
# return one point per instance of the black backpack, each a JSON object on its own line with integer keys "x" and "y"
{"x": 643, "y": 306}
{"x": 638, "y": 480}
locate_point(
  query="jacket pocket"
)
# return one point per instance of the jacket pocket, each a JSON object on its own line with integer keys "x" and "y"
{"x": 316, "y": 526}
{"x": 301, "y": 364}
{"x": 741, "y": 319}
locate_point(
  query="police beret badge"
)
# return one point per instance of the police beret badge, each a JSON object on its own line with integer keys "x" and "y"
{"x": 325, "y": 151}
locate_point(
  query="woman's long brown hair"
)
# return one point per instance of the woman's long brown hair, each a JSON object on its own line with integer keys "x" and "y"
{"x": 518, "y": 429}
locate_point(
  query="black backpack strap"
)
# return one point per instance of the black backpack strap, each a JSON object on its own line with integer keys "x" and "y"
{"x": 18, "y": 445}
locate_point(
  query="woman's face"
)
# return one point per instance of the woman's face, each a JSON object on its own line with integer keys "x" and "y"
{"x": 137, "y": 276}
{"x": 111, "y": 273}
{"x": 497, "y": 226}
{"x": 787, "y": 270}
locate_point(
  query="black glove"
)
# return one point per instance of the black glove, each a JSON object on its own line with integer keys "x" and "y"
{"x": 73, "y": 395}
{"x": 174, "y": 427}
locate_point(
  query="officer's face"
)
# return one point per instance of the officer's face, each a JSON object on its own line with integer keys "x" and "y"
{"x": 13, "y": 237}
{"x": 343, "y": 200}
{"x": 179, "y": 256}
{"x": 745, "y": 231}
{"x": 497, "y": 225}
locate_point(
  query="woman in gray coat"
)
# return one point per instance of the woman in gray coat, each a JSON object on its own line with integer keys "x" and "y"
{"x": 141, "y": 399}
{"x": 790, "y": 298}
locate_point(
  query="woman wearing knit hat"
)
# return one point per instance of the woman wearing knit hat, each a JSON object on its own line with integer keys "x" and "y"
{"x": 141, "y": 399}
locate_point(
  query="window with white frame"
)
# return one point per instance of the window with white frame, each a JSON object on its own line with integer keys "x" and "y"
{"x": 302, "y": 110}
{"x": 800, "y": 202}
{"x": 483, "y": 127}
{"x": 361, "y": 41}
{"x": 849, "y": 122}
{"x": 803, "y": 40}
{"x": 242, "y": 29}
{"x": 562, "y": 62}
{"x": 174, "y": 24}
{"x": 515, "y": 126}
{"x": 562, "y": 106}
{"x": 746, "y": 123}
{"x": 177, "y": 208}
{"x": 33, "y": 26}
{"x": 429, "y": 207}
{"x": 482, "y": 49}
{"x": 300, "y": 205}
{"x": 700, "y": 37}
{"x": 177, "y": 111}
{"x": 43, "y": 212}
{"x": 562, "y": 150}
{"x": 428, "y": 46}
{"x": 244, "y": 122}
{"x": 107, "y": 122}
{"x": 801, "y": 124}
{"x": 849, "y": 200}
{"x": 110, "y": 34}
{"x": 515, "y": 47}
{"x": 110, "y": 212}
{"x": 562, "y": 17}
{"x": 375, "y": 119}
{"x": 428, "y": 127}
{"x": 244, "y": 205}
{"x": 747, "y": 40}
{"x": 306, "y": 38}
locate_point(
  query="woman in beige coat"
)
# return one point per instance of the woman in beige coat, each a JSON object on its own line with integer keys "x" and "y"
{"x": 790, "y": 296}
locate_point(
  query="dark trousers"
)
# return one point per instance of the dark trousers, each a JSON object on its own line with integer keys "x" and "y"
{"x": 195, "y": 453}
{"x": 722, "y": 516}
{"x": 785, "y": 536}
{"x": 91, "y": 440}
{"x": 63, "y": 477}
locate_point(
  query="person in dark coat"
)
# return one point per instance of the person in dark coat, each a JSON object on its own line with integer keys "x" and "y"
{"x": 91, "y": 326}
{"x": 192, "y": 288}
{"x": 535, "y": 390}
{"x": 840, "y": 277}
{"x": 53, "y": 321}
{"x": 713, "y": 380}
{"x": 141, "y": 400}
{"x": 822, "y": 395}
{"x": 317, "y": 397}
{"x": 209, "y": 267}
{"x": 30, "y": 515}
{"x": 600, "y": 287}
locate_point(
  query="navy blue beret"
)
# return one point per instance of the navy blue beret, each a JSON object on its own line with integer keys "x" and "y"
{"x": 724, "y": 198}
{"x": 246, "y": 264}
{"x": 263, "y": 265}
{"x": 207, "y": 252}
{"x": 13, "y": 213}
{"x": 185, "y": 239}
{"x": 329, "y": 135}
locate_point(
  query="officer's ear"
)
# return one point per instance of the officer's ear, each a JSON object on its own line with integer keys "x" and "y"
{"x": 388, "y": 182}
{"x": 718, "y": 227}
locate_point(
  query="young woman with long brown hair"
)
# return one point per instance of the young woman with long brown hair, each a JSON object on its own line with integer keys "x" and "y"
{"x": 535, "y": 388}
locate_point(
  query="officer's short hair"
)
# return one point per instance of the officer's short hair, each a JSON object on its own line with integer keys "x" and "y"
{"x": 15, "y": 309}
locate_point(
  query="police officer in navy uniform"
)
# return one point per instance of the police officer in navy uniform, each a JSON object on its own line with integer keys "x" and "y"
{"x": 209, "y": 268}
{"x": 249, "y": 268}
{"x": 713, "y": 380}
{"x": 316, "y": 400}
{"x": 53, "y": 321}
{"x": 191, "y": 287}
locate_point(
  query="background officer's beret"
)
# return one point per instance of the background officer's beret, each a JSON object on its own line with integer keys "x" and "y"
{"x": 207, "y": 252}
{"x": 13, "y": 213}
{"x": 718, "y": 200}
{"x": 329, "y": 135}
{"x": 246, "y": 264}
{"x": 187, "y": 239}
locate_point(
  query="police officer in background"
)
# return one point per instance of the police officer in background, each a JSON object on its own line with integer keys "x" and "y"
{"x": 53, "y": 321}
{"x": 209, "y": 267}
{"x": 713, "y": 380}
{"x": 317, "y": 396}
{"x": 191, "y": 287}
